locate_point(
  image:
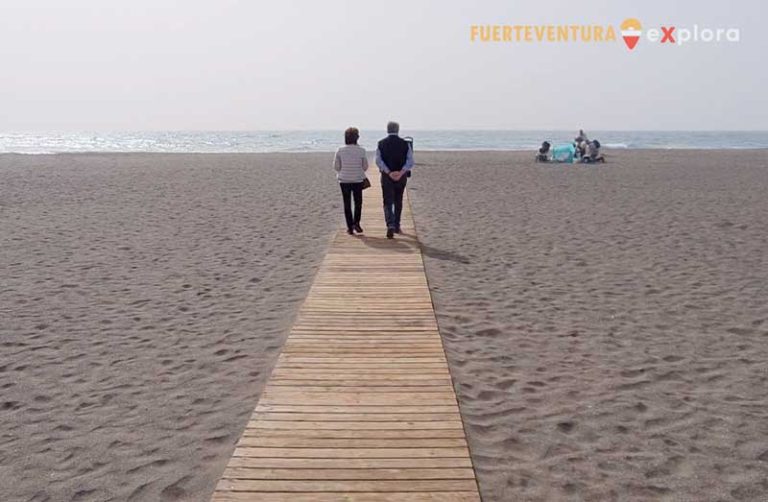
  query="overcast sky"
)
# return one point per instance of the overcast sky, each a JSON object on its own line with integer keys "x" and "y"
{"x": 314, "y": 64}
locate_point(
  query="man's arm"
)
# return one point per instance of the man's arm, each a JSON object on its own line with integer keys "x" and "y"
{"x": 408, "y": 160}
{"x": 337, "y": 162}
{"x": 380, "y": 162}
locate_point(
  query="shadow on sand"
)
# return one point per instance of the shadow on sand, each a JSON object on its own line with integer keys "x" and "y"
{"x": 407, "y": 243}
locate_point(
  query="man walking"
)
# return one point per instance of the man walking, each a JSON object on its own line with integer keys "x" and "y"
{"x": 394, "y": 157}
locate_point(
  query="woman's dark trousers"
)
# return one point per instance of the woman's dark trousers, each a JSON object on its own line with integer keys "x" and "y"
{"x": 349, "y": 191}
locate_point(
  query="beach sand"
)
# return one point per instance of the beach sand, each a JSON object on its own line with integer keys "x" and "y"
{"x": 606, "y": 327}
{"x": 143, "y": 301}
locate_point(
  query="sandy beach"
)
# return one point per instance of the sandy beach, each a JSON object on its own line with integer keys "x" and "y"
{"x": 144, "y": 299}
{"x": 605, "y": 326}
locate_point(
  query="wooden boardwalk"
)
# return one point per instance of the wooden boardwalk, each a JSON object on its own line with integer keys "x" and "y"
{"x": 360, "y": 405}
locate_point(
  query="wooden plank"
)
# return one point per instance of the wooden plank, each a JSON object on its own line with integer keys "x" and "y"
{"x": 381, "y": 367}
{"x": 360, "y": 405}
{"x": 353, "y": 434}
{"x": 351, "y": 426}
{"x": 365, "y": 383}
{"x": 369, "y": 338}
{"x": 356, "y": 352}
{"x": 349, "y": 463}
{"x": 382, "y": 327}
{"x": 369, "y": 328}
{"x": 347, "y": 395}
{"x": 468, "y": 496}
{"x": 247, "y": 451}
{"x": 331, "y": 358}
{"x": 365, "y": 341}
{"x": 373, "y": 410}
{"x": 364, "y": 345}
{"x": 353, "y": 349}
{"x": 271, "y": 485}
{"x": 378, "y": 364}
{"x": 301, "y": 442}
{"x": 353, "y": 417}
{"x": 354, "y": 388}
{"x": 384, "y": 321}
{"x": 347, "y": 474}
{"x": 360, "y": 374}
{"x": 379, "y": 398}
{"x": 373, "y": 372}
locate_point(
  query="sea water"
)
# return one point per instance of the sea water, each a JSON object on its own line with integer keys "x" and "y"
{"x": 328, "y": 141}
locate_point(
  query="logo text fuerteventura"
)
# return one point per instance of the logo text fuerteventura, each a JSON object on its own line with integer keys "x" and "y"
{"x": 630, "y": 31}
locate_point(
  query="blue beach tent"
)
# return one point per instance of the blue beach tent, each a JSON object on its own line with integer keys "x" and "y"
{"x": 564, "y": 153}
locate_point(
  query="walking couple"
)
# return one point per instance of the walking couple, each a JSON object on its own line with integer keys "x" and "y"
{"x": 394, "y": 158}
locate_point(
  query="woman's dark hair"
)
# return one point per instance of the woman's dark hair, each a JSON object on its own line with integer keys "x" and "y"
{"x": 351, "y": 136}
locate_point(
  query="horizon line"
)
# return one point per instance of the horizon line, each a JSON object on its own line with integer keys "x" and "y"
{"x": 421, "y": 129}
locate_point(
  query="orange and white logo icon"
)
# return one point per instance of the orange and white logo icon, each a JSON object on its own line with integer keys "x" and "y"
{"x": 631, "y": 30}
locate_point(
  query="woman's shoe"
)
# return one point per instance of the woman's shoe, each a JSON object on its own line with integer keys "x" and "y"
{"x": 350, "y": 232}
{"x": 358, "y": 228}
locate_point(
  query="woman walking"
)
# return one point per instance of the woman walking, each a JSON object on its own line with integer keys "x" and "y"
{"x": 351, "y": 163}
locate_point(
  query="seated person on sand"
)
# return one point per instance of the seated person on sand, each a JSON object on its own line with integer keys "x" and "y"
{"x": 581, "y": 141}
{"x": 593, "y": 154}
{"x": 544, "y": 154}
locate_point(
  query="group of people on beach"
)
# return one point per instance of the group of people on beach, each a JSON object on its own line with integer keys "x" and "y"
{"x": 582, "y": 150}
{"x": 394, "y": 158}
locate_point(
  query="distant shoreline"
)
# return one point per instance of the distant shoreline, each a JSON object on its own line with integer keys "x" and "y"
{"x": 329, "y": 141}
{"x": 425, "y": 150}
